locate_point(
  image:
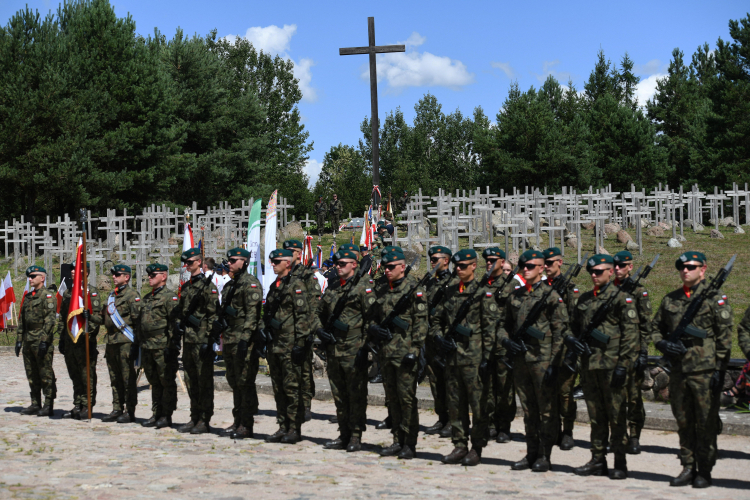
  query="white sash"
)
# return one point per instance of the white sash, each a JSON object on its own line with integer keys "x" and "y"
{"x": 117, "y": 319}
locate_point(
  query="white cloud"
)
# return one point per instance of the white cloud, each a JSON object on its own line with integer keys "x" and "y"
{"x": 303, "y": 73}
{"x": 414, "y": 40}
{"x": 312, "y": 168}
{"x": 647, "y": 88}
{"x": 547, "y": 70}
{"x": 649, "y": 68}
{"x": 505, "y": 68}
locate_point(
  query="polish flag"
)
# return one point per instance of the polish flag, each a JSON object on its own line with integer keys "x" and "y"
{"x": 60, "y": 292}
{"x": 187, "y": 244}
{"x": 76, "y": 322}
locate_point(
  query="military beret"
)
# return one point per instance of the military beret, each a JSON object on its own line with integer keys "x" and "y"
{"x": 238, "y": 252}
{"x": 346, "y": 254}
{"x": 35, "y": 269}
{"x": 392, "y": 257}
{"x": 598, "y": 260}
{"x": 189, "y": 254}
{"x": 327, "y": 263}
{"x": 438, "y": 249}
{"x": 363, "y": 248}
{"x": 381, "y": 224}
{"x": 121, "y": 268}
{"x": 293, "y": 244}
{"x": 349, "y": 246}
{"x": 281, "y": 253}
{"x": 156, "y": 268}
{"x": 464, "y": 255}
{"x": 530, "y": 255}
{"x": 391, "y": 248}
{"x": 690, "y": 257}
{"x": 551, "y": 252}
{"x": 493, "y": 252}
{"x": 623, "y": 257}
{"x": 88, "y": 265}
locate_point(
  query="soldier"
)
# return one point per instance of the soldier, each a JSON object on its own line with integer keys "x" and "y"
{"x": 320, "y": 214}
{"x": 501, "y": 403}
{"x": 403, "y": 201}
{"x": 534, "y": 374}
{"x": 567, "y": 407}
{"x": 120, "y": 319}
{"x": 289, "y": 316}
{"x": 348, "y": 381}
{"x": 194, "y": 316}
{"x": 465, "y": 343}
{"x": 399, "y": 355}
{"x": 698, "y": 367}
{"x": 440, "y": 259}
{"x": 35, "y": 333}
{"x": 242, "y": 299}
{"x": 75, "y": 352}
{"x": 336, "y": 209}
{"x": 605, "y": 372}
{"x": 636, "y": 413}
{"x": 158, "y": 357}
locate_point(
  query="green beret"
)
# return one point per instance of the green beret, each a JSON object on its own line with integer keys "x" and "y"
{"x": 346, "y": 254}
{"x": 598, "y": 260}
{"x": 295, "y": 244}
{"x": 392, "y": 257}
{"x": 35, "y": 269}
{"x": 551, "y": 252}
{"x": 690, "y": 257}
{"x": 349, "y": 246}
{"x": 381, "y": 224}
{"x": 121, "y": 268}
{"x": 391, "y": 248}
{"x": 238, "y": 252}
{"x": 493, "y": 252}
{"x": 464, "y": 255}
{"x": 530, "y": 255}
{"x": 437, "y": 249}
{"x": 623, "y": 257}
{"x": 281, "y": 252}
{"x": 189, "y": 254}
{"x": 88, "y": 265}
{"x": 156, "y": 268}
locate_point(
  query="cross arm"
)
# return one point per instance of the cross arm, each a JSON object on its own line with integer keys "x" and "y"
{"x": 348, "y": 51}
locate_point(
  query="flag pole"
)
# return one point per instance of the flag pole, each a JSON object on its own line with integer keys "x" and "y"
{"x": 85, "y": 307}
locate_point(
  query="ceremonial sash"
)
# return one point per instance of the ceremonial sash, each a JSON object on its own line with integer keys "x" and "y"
{"x": 117, "y": 319}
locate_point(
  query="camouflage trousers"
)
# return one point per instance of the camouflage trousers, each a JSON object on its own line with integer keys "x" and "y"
{"x": 39, "y": 373}
{"x": 122, "y": 377}
{"x": 501, "y": 396}
{"x": 539, "y": 407}
{"x": 199, "y": 381}
{"x": 436, "y": 374}
{"x": 286, "y": 378}
{"x": 636, "y": 411}
{"x": 75, "y": 362}
{"x": 607, "y": 411}
{"x": 696, "y": 410}
{"x": 465, "y": 392}
{"x": 241, "y": 374}
{"x": 401, "y": 393}
{"x": 349, "y": 389}
{"x": 161, "y": 374}
{"x": 335, "y": 219}
{"x": 321, "y": 225}
{"x": 308, "y": 380}
{"x": 566, "y": 403}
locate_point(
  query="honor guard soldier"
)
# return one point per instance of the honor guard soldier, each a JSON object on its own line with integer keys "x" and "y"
{"x": 612, "y": 341}
{"x": 35, "y": 333}
{"x": 195, "y": 313}
{"x": 75, "y": 352}
{"x": 120, "y": 322}
{"x": 567, "y": 407}
{"x": 534, "y": 374}
{"x": 636, "y": 413}
{"x": 399, "y": 343}
{"x": 698, "y": 363}
{"x": 320, "y": 214}
{"x": 501, "y": 410}
{"x": 288, "y": 317}
{"x": 158, "y": 360}
{"x": 463, "y": 329}
{"x": 336, "y": 208}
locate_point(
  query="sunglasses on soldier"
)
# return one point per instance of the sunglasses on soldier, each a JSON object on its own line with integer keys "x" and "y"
{"x": 597, "y": 272}
{"x": 232, "y": 260}
{"x": 436, "y": 259}
{"x": 491, "y": 260}
{"x": 463, "y": 265}
{"x": 391, "y": 267}
{"x": 529, "y": 266}
{"x": 551, "y": 262}
{"x": 33, "y": 276}
{"x": 276, "y": 262}
{"x": 689, "y": 267}
{"x": 116, "y": 275}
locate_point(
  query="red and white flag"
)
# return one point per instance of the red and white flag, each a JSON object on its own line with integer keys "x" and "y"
{"x": 307, "y": 255}
{"x": 60, "y": 292}
{"x": 187, "y": 244}
{"x": 76, "y": 322}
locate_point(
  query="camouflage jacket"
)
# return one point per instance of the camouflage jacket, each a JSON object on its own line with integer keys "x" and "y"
{"x": 243, "y": 314}
{"x": 743, "y": 333}
{"x": 154, "y": 325}
{"x": 553, "y": 322}
{"x": 480, "y": 323}
{"x": 621, "y": 325}
{"x": 501, "y": 298}
{"x": 312, "y": 287}
{"x": 128, "y": 305}
{"x": 411, "y": 337}
{"x": 36, "y": 320}
{"x": 714, "y": 316}
{"x": 337, "y": 207}
{"x": 294, "y": 317}
{"x": 441, "y": 279}
{"x": 320, "y": 208}
{"x": 569, "y": 296}
{"x": 349, "y": 330}
{"x": 643, "y": 306}
{"x": 198, "y": 328}
{"x": 95, "y": 320}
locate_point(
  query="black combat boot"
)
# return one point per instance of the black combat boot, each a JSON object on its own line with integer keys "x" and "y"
{"x": 308, "y": 415}
{"x": 524, "y": 463}
{"x": 292, "y": 437}
{"x": 31, "y": 410}
{"x": 48, "y": 410}
{"x": 230, "y": 430}
{"x": 455, "y": 456}
{"x": 201, "y": 427}
{"x": 385, "y": 424}
{"x": 446, "y": 431}
{"x": 620, "y": 470}
{"x": 634, "y": 446}
{"x": 70, "y": 413}
{"x": 503, "y": 437}
{"x": 276, "y": 436}
{"x": 151, "y": 422}
{"x": 434, "y": 428}
{"x": 355, "y": 444}
{"x": 702, "y": 479}
{"x": 392, "y": 450}
{"x": 164, "y": 422}
{"x": 407, "y": 452}
{"x": 594, "y": 467}
{"x": 242, "y": 432}
{"x": 684, "y": 478}
{"x": 126, "y": 418}
{"x": 542, "y": 464}
{"x": 473, "y": 458}
{"x": 186, "y": 427}
{"x": 112, "y": 417}
{"x": 566, "y": 442}
{"x": 337, "y": 444}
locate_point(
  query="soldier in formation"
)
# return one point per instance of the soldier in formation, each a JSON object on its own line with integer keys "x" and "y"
{"x": 336, "y": 208}
{"x": 320, "y": 208}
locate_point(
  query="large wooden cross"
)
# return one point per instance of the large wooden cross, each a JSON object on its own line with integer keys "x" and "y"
{"x": 371, "y": 50}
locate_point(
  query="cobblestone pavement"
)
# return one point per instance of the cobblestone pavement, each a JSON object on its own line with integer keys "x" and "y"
{"x": 55, "y": 458}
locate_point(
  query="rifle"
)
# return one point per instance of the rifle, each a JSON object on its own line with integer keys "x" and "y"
{"x": 684, "y": 327}
{"x": 220, "y": 324}
{"x": 440, "y": 294}
{"x": 270, "y": 323}
{"x": 179, "y": 329}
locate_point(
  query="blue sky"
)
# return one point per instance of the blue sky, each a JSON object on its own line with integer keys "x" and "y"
{"x": 466, "y": 54}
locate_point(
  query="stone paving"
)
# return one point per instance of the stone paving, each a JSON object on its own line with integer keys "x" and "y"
{"x": 55, "y": 458}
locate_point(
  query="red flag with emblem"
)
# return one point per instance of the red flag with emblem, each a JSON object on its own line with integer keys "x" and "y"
{"x": 76, "y": 322}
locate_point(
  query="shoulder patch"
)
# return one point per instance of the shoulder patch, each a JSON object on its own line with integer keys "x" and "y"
{"x": 575, "y": 290}
{"x": 137, "y": 299}
{"x": 628, "y": 300}
{"x": 517, "y": 287}
{"x": 368, "y": 290}
{"x": 298, "y": 291}
{"x": 645, "y": 294}
{"x": 721, "y": 302}
{"x": 49, "y": 296}
{"x": 94, "y": 294}
{"x": 253, "y": 285}
{"x": 632, "y": 314}
{"x": 419, "y": 294}
{"x": 488, "y": 294}
{"x": 214, "y": 291}
{"x": 175, "y": 298}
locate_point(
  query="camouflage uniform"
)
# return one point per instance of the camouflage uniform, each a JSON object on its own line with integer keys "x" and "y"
{"x": 154, "y": 334}
{"x": 607, "y": 405}
{"x": 743, "y": 334}
{"x": 348, "y": 383}
{"x": 694, "y": 406}
{"x": 465, "y": 388}
{"x": 636, "y": 411}
{"x": 117, "y": 353}
{"x": 242, "y": 371}
{"x": 537, "y": 399}
{"x": 37, "y": 324}
{"x": 75, "y": 352}
{"x": 312, "y": 288}
{"x": 199, "y": 369}
{"x": 434, "y": 372}
{"x": 320, "y": 215}
{"x": 336, "y": 208}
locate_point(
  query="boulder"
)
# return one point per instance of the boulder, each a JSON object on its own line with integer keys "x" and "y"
{"x": 631, "y": 246}
{"x": 681, "y": 238}
{"x": 173, "y": 282}
{"x": 716, "y": 234}
{"x": 602, "y": 250}
{"x": 172, "y": 241}
{"x": 645, "y": 223}
{"x": 698, "y": 227}
{"x": 410, "y": 256}
{"x": 738, "y": 230}
{"x": 611, "y": 228}
{"x": 674, "y": 243}
{"x": 655, "y": 231}
{"x": 589, "y": 225}
{"x": 665, "y": 225}
{"x": 571, "y": 242}
{"x": 648, "y": 382}
{"x": 623, "y": 236}
{"x": 513, "y": 258}
{"x": 661, "y": 381}
{"x": 648, "y": 395}
{"x": 292, "y": 231}
{"x": 104, "y": 283}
